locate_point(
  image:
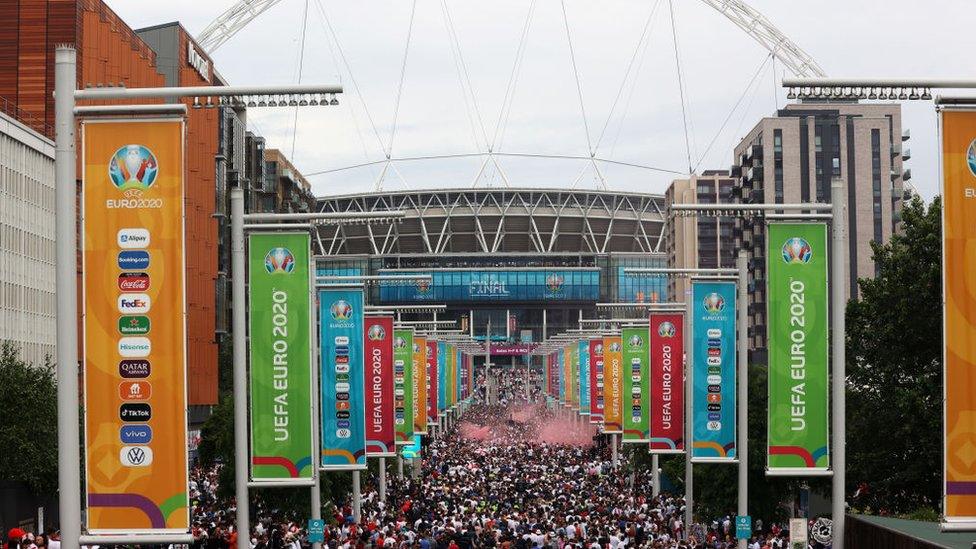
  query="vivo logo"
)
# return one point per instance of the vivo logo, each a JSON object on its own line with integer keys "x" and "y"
{"x": 135, "y": 434}
{"x": 134, "y": 303}
{"x": 133, "y": 238}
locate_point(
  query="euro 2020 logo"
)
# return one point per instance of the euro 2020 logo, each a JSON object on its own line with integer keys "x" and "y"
{"x": 797, "y": 250}
{"x": 416, "y": 348}
{"x": 614, "y": 347}
{"x": 714, "y": 303}
{"x": 971, "y": 158}
{"x": 399, "y": 343}
{"x": 376, "y": 333}
{"x": 598, "y": 349}
{"x": 554, "y": 282}
{"x": 133, "y": 169}
{"x": 635, "y": 341}
{"x": 666, "y": 329}
{"x": 341, "y": 310}
{"x": 279, "y": 261}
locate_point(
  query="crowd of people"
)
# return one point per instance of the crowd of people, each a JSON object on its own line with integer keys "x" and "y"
{"x": 511, "y": 475}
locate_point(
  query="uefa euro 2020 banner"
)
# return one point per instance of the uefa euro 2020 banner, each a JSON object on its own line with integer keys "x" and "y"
{"x": 713, "y": 395}
{"x": 403, "y": 385}
{"x": 380, "y": 437}
{"x": 135, "y": 442}
{"x": 442, "y": 382}
{"x": 636, "y": 386}
{"x": 433, "y": 380}
{"x": 797, "y": 322}
{"x": 583, "y": 349}
{"x": 561, "y": 368}
{"x": 596, "y": 380}
{"x": 281, "y": 357}
{"x": 667, "y": 383}
{"x": 613, "y": 372}
{"x": 958, "y": 130}
{"x": 343, "y": 406}
{"x": 420, "y": 385}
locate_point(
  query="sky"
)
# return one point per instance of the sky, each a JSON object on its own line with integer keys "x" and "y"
{"x": 470, "y": 82}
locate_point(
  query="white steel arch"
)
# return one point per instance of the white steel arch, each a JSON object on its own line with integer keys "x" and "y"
{"x": 751, "y": 21}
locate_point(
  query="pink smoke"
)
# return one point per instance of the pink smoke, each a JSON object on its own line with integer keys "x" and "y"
{"x": 541, "y": 426}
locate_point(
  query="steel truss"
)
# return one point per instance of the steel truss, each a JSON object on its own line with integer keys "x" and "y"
{"x": 491, "y": 221}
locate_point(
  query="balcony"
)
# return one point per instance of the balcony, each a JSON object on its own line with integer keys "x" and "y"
{"x": 907, "y": 175}
{"x": 895, "y": 149}
{"x": 906, "y": 134}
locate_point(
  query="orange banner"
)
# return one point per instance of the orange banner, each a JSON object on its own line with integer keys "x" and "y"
{"x": 134, "y": 326}
{"x": 420, "y": 385}
{"x": 959, "y": 287}
{"x": 613, "y": 385}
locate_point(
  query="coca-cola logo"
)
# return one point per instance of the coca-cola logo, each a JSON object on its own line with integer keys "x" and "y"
{"x": 134, "y": 282}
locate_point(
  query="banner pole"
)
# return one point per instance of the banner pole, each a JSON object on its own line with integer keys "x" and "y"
{"x": 838, "y": 414}
{"x": 382, "y": 479}
{"x": 689, "y": 413}
{"x": 238, "y": 290}
{"x": 315, "y": 492}
{"x": 399, "y": 466}
{"x": 66, "y": 218}
{"x": 357, "y": 498}
{"x": 655, "y": 476}
{"x": 742, "y": 445}
{"x": 614, "y": 452}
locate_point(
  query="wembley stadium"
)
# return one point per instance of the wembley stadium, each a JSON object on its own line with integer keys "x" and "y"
{"x": 532, "y": 261}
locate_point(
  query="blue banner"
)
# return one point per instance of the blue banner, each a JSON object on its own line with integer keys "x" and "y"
{"x": 343, "y": 405}
{"x": 582, "y": 284}
{"x": 441, "y": 376}
{"x": 713, "y": 354}
{"x": 584, "y": 372}
{"x": 412, "y": 450}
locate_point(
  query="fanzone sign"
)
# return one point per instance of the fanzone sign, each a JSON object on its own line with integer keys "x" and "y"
{"x": 134, "y": 326}
{"x": 281, "y": 356}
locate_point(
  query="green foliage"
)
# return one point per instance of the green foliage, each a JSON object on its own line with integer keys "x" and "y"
{"x": 29, "y": 428}
{"x": 716, "y": 485}
{"x": 894, "y": 368}
{"x": 924, "y": 514}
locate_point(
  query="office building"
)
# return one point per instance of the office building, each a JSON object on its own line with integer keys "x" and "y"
{"x": 27, "y": 247}
{"x": 793, "y": 157}
{"x": 700, "y": 242}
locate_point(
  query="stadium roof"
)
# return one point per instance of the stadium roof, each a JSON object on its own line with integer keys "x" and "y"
{"x": 497, "y": 221}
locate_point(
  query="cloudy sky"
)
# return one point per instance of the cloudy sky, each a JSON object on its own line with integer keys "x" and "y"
{"x": 467, "y": 86}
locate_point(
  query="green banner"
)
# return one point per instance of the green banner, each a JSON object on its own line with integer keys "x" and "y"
{"x": 797, "y": 332}
{"x": 281, "y": 359}
{"x": 636, "y": 400}
{"x": 403, "y": 385}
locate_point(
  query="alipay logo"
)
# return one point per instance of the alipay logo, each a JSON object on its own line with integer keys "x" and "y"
{"x": 797, "y": 250}
{"x": 136, "y": 456}
{"x": 133, "y": 238}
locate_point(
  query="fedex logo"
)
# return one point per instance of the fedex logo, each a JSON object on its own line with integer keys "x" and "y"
{"x": 134, "y": 303}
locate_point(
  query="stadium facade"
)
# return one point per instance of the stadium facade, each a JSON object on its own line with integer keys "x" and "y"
{"x": 533, "y": 261}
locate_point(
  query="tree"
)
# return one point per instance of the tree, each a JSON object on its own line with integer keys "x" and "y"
{"x": 894, "y": 368}
{"x": 29, "y": 428}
